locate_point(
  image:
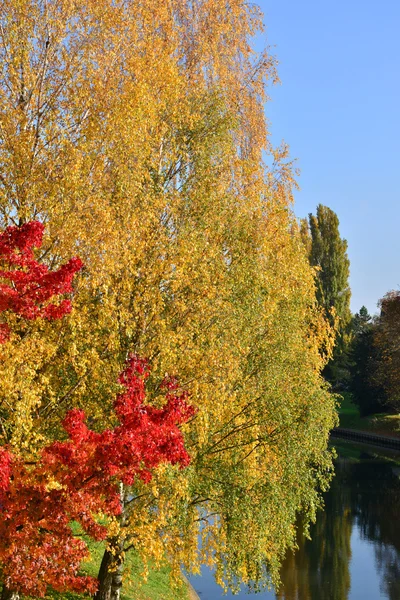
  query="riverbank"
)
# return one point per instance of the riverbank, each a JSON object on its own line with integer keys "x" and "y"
{"x": 157, "y": 586}
{"x": 365, "y": 437}
{"x": 382, "y": 424}
{"x": 193, "y": 595}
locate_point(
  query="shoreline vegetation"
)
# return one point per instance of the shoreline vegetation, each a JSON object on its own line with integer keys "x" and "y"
{"x": 157, "y": 587}
{"x": 380, "y": 424}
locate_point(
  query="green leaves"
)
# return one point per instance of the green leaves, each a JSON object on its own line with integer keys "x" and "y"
{"x": 142, "y": 149}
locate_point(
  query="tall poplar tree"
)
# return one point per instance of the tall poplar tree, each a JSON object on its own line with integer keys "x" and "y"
{"x": 327, "y": 252}
{"x": 135, "y": 132}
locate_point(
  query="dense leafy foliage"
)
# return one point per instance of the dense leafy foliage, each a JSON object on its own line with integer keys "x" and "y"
{"x": 30, "y": 284}
{"x": 136, "y": 132}
{"x": 327, "y": 253}
{"x": 387, "y": 348}
{"x": 76, "y": 480}
{"x": 366, "y": 390}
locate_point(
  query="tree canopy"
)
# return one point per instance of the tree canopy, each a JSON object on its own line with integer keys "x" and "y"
{"x": 367, "y": 391}
{"x": 387, "y": 348}
{"x": 135, "y": 132}
{"x": 327, "y": 253}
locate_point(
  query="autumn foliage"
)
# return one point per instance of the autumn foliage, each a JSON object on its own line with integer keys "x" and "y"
{"x": 28, "y": 284}
{"x": 77, "y": 479}
{"x": 136, "y": 131}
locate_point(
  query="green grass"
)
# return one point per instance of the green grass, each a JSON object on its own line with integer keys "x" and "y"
{"x": 382, "y": 423}
{"x": 157, "y": 587}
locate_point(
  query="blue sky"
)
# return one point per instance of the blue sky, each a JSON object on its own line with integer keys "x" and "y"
{"x": 338, "y": 108}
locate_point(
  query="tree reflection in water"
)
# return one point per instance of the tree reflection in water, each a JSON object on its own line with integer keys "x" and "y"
{"x": 364, "y": 494}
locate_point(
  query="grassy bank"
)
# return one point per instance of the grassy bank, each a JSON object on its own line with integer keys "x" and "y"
{"x": 382, "y": 423}
{"x": 157, "y": 586}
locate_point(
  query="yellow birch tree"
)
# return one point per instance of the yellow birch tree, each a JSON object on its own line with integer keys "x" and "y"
{"x": 135, "y": 131}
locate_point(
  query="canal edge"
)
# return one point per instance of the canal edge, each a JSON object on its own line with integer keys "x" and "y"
{"x": 366, "y": 437}
{"x": 193, "y": 595}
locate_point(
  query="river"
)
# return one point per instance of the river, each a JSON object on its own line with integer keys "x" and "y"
{"x": 354, "y": 553}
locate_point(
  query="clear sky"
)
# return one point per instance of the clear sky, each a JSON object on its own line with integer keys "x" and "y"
{"x": 338, "y": 108}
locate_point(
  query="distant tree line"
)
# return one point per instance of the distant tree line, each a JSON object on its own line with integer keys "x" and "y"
{"x": 375, "y": 357}
{"x": 366, "y": 358}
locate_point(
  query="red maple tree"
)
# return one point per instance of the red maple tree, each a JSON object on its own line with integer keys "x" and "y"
{"x": 27, "y": 286}
{"x": 76, "y": 479}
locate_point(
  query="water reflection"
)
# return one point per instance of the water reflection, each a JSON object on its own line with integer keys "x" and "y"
{"x": 320, "y": 568}
{"x": 354, "y": 553}
{"x": 364, "y": 495}
{"x": 376, "y": 505}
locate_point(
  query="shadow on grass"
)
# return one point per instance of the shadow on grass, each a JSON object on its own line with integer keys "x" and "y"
{"x": 382, "y": 423}
{"x": 157, "y": 587}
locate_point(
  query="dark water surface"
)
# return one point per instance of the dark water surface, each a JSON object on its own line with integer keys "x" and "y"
{"x": 354, "y": 553}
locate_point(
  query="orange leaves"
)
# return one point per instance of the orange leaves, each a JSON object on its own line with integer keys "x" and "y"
{"x": 78, "y": 479}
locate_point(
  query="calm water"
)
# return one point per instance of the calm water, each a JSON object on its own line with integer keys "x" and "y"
{"x": 354, "y": 553}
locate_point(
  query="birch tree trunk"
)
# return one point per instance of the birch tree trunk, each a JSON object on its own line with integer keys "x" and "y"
{"x": 110, "y": 575}
{"x": 7, "y": 594}
{"x": 112, "y": 563}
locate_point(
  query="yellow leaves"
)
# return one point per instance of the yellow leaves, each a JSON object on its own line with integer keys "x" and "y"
{"x": 114, "y": 528}
{"x": 52, "y": 484}
{"x": 23, "y": 385}
{"x": 140, "y": 145}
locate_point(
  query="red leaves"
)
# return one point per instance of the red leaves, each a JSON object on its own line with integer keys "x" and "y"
{"x": 30, "y": 285}
{"x": 145, "y": 437}
{"x": 77, "y": 479}
{"x": 37, "y": 548}
{"x": 5, "y": 469}
{"x": 16, "y": 243}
